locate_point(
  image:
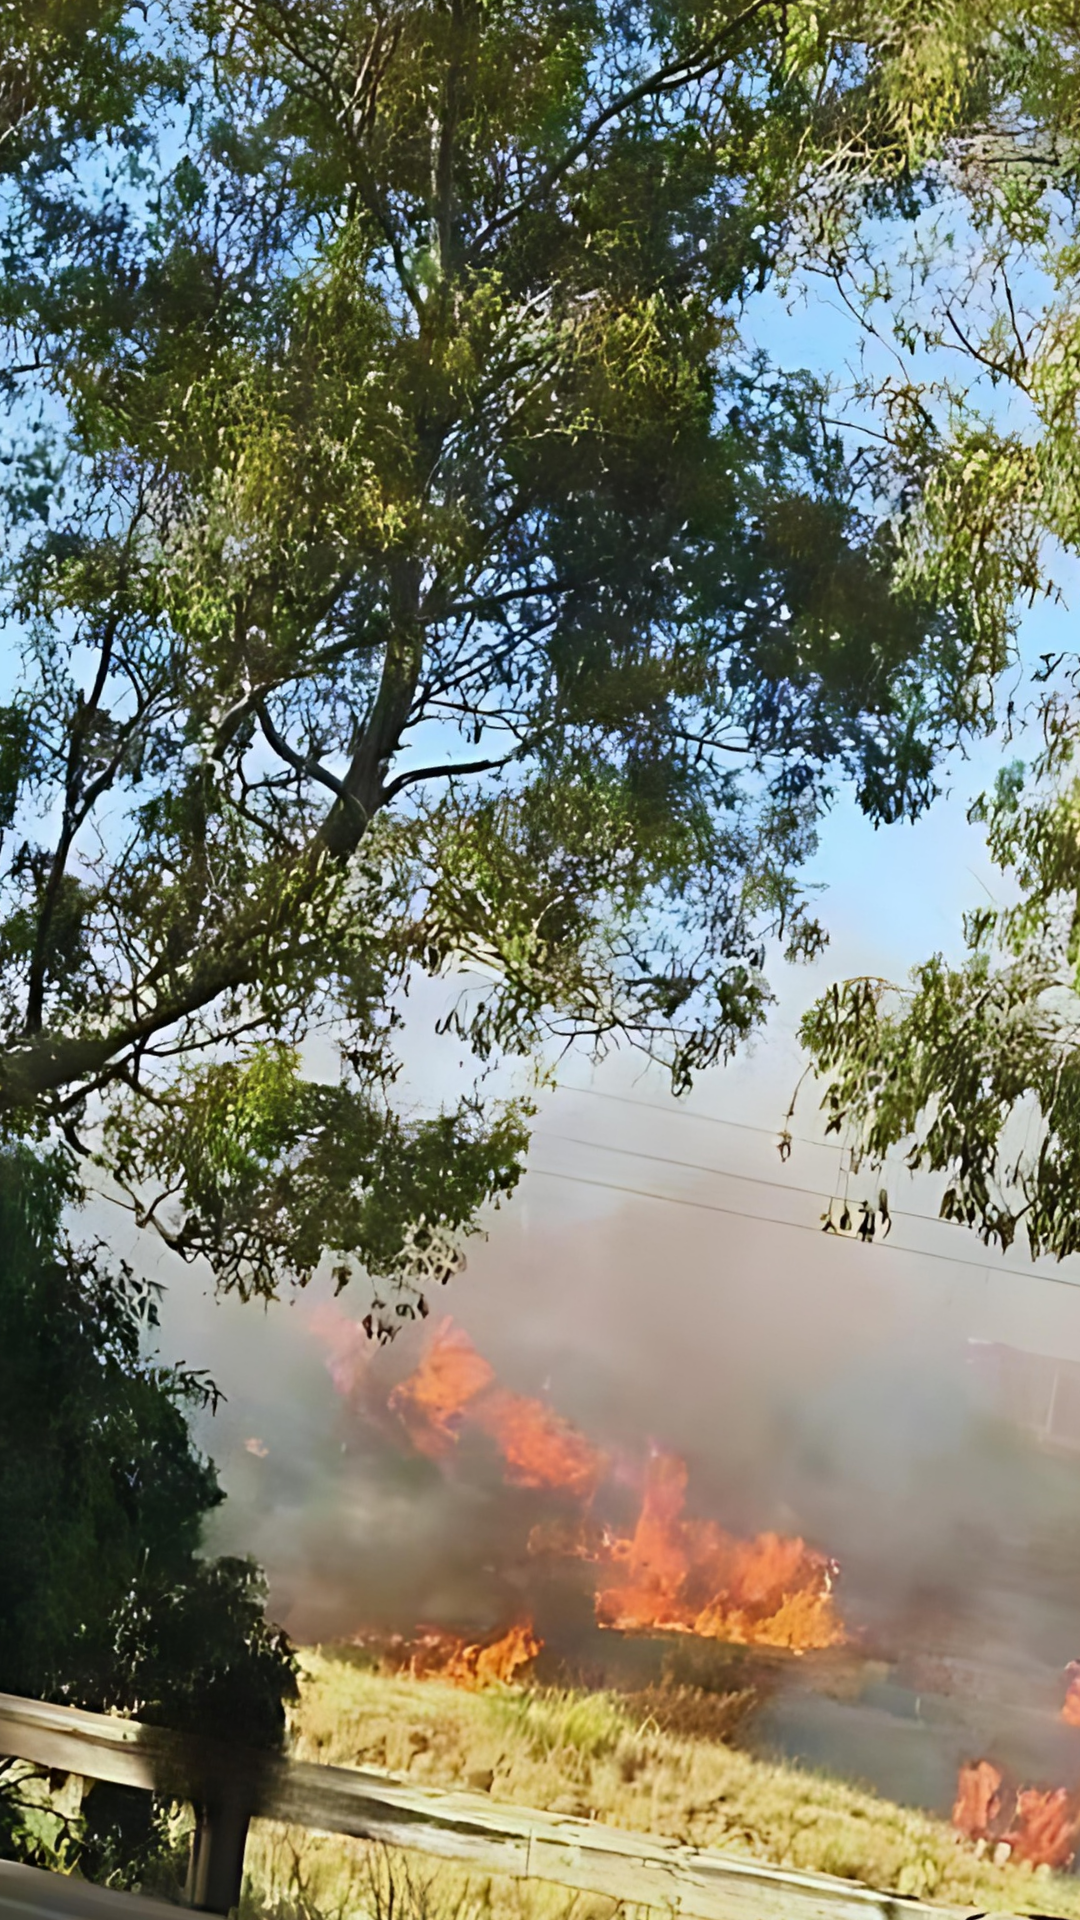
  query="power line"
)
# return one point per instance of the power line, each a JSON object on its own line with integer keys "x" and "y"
{"x": 738, "y": 1126}
{"x": 796, "y": 1226}
{"x": 725, "y": 1173}
{"x": 688, "y": 1113}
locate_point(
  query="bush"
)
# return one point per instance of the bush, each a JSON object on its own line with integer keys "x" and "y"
{"x": 105, "y": 1602}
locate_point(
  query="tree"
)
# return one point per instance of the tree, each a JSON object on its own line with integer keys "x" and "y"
{"x": 105, "y": 1602}
{"x": 416, "y": 569}
{"x": 974, "y": 1068}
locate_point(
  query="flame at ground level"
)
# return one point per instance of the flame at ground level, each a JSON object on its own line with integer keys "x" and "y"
{"x": 434, "y": 1655}
{"x": 977, "y": 1809}
{"x": 691, "y": 1577}
{"x": 672, "y": 1572}
{"x": 1037, "y": 1825}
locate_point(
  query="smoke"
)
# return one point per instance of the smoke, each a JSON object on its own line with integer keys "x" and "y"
{"x": 818, "y": 1390}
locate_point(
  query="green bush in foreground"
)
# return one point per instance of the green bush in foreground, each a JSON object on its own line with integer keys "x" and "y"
{"x": 105, "y": 1602}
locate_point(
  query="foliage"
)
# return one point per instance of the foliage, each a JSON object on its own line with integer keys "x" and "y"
{"x": 974, "y": 1068}
{"x": 418, "y": 568}
{"x": 105, "y": 1602}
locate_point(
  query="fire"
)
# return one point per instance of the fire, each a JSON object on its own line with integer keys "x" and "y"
{"x": 693, "y": 1577}
{"x": 435, "y": 1655}
{"x": 1047, "y": 1827}
{"x": 656, "y": 1557}
{"x": 674, "y": 1573}
{"x": 432, "y": 1402}
{"x": 1070, "y": 1711}
{"x": 1038, "y": 1825}
{"x": 498, "y": 1662}
{"x": 454, "y": 1387}
{"x": 671, "y": 1573}
{"x": 979, "y": 1805}
{"x": 538, "y": 1448}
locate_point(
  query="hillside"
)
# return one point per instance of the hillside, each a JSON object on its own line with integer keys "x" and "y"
{"x": 653, "y": 1763}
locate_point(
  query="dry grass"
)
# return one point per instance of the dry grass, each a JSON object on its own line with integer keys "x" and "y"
{"x": 600, "y": 1755}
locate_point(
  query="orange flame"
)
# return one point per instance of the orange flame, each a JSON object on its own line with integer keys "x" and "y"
{"x": 655, "y": 1557}
{"x": 448, "y": 1656}
{"x": 454, "y": 1386}
{"x": 432, "y": 1402}
{"x": 978, "y": 1806}
{"x": 695, "y": 1578}
{"x": 1039, "y": 1825}
{"x": 496, "y": 1663}
{"x": 539, "y": 1449}
{"x": 1070, "y": 1711}
{"x": 1047, "y": 1827}
{"x": 683, "y": 1575}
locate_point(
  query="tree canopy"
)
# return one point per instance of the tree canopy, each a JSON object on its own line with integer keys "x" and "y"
{"x": 414, "y": 564}
{"x": 104, "y": 1601}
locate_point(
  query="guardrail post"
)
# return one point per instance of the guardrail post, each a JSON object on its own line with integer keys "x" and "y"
{"x": 216, "y": 1873}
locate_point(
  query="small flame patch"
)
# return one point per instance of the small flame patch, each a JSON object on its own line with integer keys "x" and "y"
{"x": 433, "y": 1655}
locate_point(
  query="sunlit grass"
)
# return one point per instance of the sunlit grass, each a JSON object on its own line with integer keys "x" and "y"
{"x": 550, "y": 1723}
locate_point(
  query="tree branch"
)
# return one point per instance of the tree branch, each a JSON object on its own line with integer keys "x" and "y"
{"x": 363, "y": 789}
{"x": 75, "y": 812}
{"x": 416, "y": 774}
{"x": 304, "y": 764}
{"x": 348, "y": 119}
{"x": 47, "y": 1062}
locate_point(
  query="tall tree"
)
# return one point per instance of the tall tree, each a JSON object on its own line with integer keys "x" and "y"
{"x": 415, "y": 567}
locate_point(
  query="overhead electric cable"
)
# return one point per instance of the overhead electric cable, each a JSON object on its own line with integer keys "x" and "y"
{"x": 799, "y": 1226}
{"x": 710, "y": 1119}
{"x": 728, "y": 1173}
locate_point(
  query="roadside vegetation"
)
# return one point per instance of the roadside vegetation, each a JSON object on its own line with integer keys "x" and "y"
{"x": 598, "y": 1755}
{"x": 106, "y": 1600}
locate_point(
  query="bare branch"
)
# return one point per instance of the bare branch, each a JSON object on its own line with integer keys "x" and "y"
{"x": 416, "y": 774}
{"x": 304, "y": 764}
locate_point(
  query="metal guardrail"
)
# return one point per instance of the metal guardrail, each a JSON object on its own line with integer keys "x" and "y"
{"x": 231, "y": 1786}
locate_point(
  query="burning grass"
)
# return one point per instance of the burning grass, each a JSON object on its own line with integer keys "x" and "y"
{"x": 1040, "y": 1825}
{"x": 611, "y": 1757}
{"x": 435, "y": 1655}
{"x": 673, "y": 1572}
{"x": 689, "y": 1576}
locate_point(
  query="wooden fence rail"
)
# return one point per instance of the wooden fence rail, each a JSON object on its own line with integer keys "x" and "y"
{"x": 230, "y": 1786}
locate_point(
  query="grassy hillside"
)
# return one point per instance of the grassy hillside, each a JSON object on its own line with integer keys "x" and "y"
{"x": 650, "y": 1764}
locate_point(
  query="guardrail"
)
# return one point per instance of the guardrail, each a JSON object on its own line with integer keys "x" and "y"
{"x": 230, "y": 1786}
